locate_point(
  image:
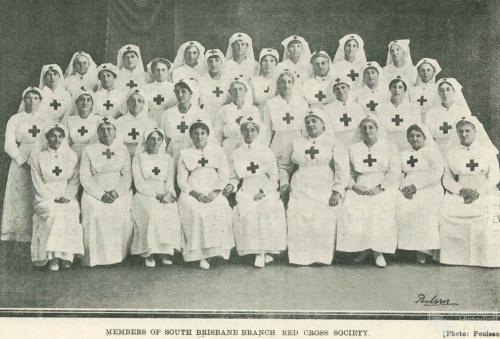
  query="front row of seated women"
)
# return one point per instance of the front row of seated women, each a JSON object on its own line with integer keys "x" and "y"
{"x": 367, "y": 199}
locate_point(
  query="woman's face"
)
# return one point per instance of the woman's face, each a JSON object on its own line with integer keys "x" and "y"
{"x": 368, "y": 131}
{"x": 295, "y": 49}
{"x": 81, "y": 65}
{"x": 416, "y": 139}
{"x": 341, "y": 91}
{"x": 51, "y": 78}
{"x": 214, "y": 64}
{"x": 314, "y": 126}
{"x": 153, "y": 143}
{"x": 84, "y": 105}
{"x": 397, "y": 52}
{"x": 351, "y": 47}
{"x": 130, "y": 60}
{"x": 321, "y": 66}
{"x": 106, "y": 134}
{"x": 446, "y": 93}
{"x": 371, "y": 77}
{"x": 249, "y": 132}
{"x": 285, "y": 84}
{"x": 268, "y": 64}
{"x": 426, "y": 72}
{"x": 397, "y": 89}
{"x": 199, "y": 136}
{"x": 191, "y": 54}
{"x": 182, "y": 94}
{"x": 237, "y": 92}
{"x": 107, "y": 79}
{"x": 466, "y": 133}
{"x": 160, "y": 72}
{"x": 31, "y": 102}
{"x": 135, "y": 103}
{"x": 239, "y": 47}
{"x": 55, "y": 139}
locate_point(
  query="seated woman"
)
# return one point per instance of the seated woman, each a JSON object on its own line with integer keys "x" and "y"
{"x": 157, "y": 226}
{"x": 350, "y": 59}
{"x": 373, "y": 90}
{"x": 82, "y": 127}
{"x": 344, "y": 113}
{"x": 57, "y": 233}
{"x": 57, "y": 101}
{"x": 264, "y": 84}
{"x": 399, "y": 62}
{"x": 188, "y": 61}
{"x": 22, "y": 131}
{"x": 160, "y": 91}
{"x": 131, "y": 68}
{"x": 259, "y": 224}
{"x": 240, "y": 60}
{"x": 424, "y": 92}
{"x": 81, "y": 74}
{"x": 296, "y": 58}
{"x": 284, "y": 114}
{"x": 317, "y": 89}
{"x": 470, "y": 231}
{"x": 397, "y": 113}
{"x": 368, "y": 218}
{"x": 319, "y": 171}
{"x": 108, "y": 100}
{"x": 106, "y": 202}
{"x": 131, "y": 126}
{"x": 205, "y": 214}
{"x": 448, "y": 109}
{"x": 419, "y": 201}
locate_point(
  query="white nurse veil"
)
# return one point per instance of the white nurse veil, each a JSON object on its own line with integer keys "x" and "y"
{"x": 459, "y": 96}
{"x": 163, "y": 61}
{"x": 240, "y": 36}
{"x": 52, "y": 67}
{"x": 360, "y": 55}
{"x": 433, "y": 63}
{"x": 405, "y": 46}
{"x": 306, "y": 52}
{"x": 130, "y": 48}
{"x": 268, "y": 51}
{"x": 31, "y": 88}
{"x": 179, "y": 57}
{"x": 141, "y": 146}
{"x": 92, "y": 65}
{"x": 481, "y": 138}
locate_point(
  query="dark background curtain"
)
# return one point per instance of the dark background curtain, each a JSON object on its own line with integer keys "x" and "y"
{"x": 462, "y": 35}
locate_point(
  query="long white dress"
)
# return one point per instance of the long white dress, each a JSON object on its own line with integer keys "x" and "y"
{"x": 323, "y": 166}
{"x": 107, "y": 228}
{"x": 128, "y": 79}
{"x": 246, "y": 69}
{"x": 408, "y": 71}
{"x": 81, "y": 132}
{"x": 352, "y": 70}
{"x": 302, "y": 69}
{"x": 345, "y": 118}
{"x": 55, "y": 105}
{"x": 57, "y": 232}
{"x": 263, "y": 89}
{"x": 368, "y": 222}
{"x": 77, "y": 82}
{"x": 417, "y": 218}
{"x": 207, "y": 228}
{"x": 109, "y": 103}
{"x": 396, "y": 119}
{"x": 21, "y": 132}
{"x": 214, "y": 93}
{"x": 130, "y": 128}
{"x": 157, "y": 226}
{"x": 186, "y": 72}
{"x": 318, "y": 90}
{"x": 160, "y": 97}
{"x": 370, "y": 99}
{"x": 470, "y": 233}
{"x": 424, "y": 96}
{"x": 259, "y": 226}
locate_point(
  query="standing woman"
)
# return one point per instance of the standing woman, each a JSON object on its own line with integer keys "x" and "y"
{"x": 470, "y": 231}
{"x": 284, "y": 114}
{"x": 259, "y": 225}
{"x": 131, "y": 68}
{"x": 81, "y": 74}
{"x": 188, "y": 62}
{"x": 373, "y": 91}
{"x": 317, "y": 89}
{"x": 350, "y": 59}
{"x": 264, "y": 84}
{"x": 157, "y": 226}
{"x": 108, "y": 99}
{"x": 296, "y": 58}
{"x": 240, "y": 59}
{"x": 368, "y": 218}
{"x": 21, "y": 133}
{"x": 57, "y": 101}
{"x": 205, "y": 213}
{"x": 160, "y": 92}
{"x": 449, "y": 108}
{"x": 106, "y": 178}
{"x": 424, "y": 92}
{"x": 315, "y": 171}
{"x": 57, "y": 233}
{"x": 399, "y": 61}
{"x": 420, "y": 197}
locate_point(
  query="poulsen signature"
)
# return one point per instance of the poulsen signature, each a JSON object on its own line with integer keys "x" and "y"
{"x": 434, "y": 301}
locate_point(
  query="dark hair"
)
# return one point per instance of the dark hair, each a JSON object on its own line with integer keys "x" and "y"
{"x": 275, "y": 59}
{"x": 160, "y": 61}
{"x": 156, "y": 131}
{"x": 127, "y": 52}
{"x": 182, "y": 84}
{"x": 198, "y": 124}
{"x": 395, "y": 81}
{"x": 87, "y": 94}
{"x": 105, "y": 70}
{"x": 428, "y": 63}
{"x": 446, "y": 82}
{"x": 53, "y": 129}
{"x": 465, "y": 122}
{"x": 370, "y": 119}
{"x": 245, "y": 123}
{"x": 415, "y": 128}
{"x": 356, "y": 41}
{"x": 33, "y": 91}
{"x": 107, "y": 123}
{"x": 294, "y": 41}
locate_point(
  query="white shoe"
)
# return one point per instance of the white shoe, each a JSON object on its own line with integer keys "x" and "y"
{"x": 204, "y": 264}
{"x": 421, "y": 258}
{"x": 269, "y": 258}
{"x": 260, "y": 260}
{"x": 150, "y": 262}
{"x": 166, "y": 262}
{"x": 54, "y": 266}
{"x": 361, "y": 257}
{"x": 379, "y": 259}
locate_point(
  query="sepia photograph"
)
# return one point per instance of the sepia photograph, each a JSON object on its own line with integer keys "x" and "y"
{"x": 266, "y": 160}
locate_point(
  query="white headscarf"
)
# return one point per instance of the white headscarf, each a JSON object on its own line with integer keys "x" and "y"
{"x": 111, "y": 121}
{"x": 141, "y": 146}
{"x": 74, "y": 110}
{"x": 360, "y": 55}
{"x": 374, "y": 64}
{"x": 405, "y": 46}
{"x": 433, "y": 63}
{"x": 52, "y": 67}
{"x": 130, "y": 48}
{"x": 320, "y": 53}
{"x": 381, "y": 131}
{"x": 240, "y": 36}
{"x": 429, "y": 140}
{"x": 406, "y": 82}
{"x": 306, "y": 52}
{"x": 192, "y": 83}
{"x": 320, "y": 113}
{"x": 268, "y": 51}
{"x": 92, "y": 65}
{"x": 31, "y": 88}
{"x": 481, "y": 138}
{"x": 214, "y": 52}
{"x": 459, "y": 96}
{"x": 144, "y": 113}
{"x": 106, "y": 67}
{"x": 179, "y": 58}
{"x": 42, "y": 144}
{"x": 163, "y": 61}
{"x": 342, "y": 80}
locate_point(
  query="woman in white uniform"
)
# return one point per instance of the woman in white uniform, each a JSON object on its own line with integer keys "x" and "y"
{"x": 106, "y": 178}
{"x": 131, "y": 73}
{"x": 57, "y": 233}
{"x": 108, "y": 99}
{"x": 350, "y": 59}
{"x": 205, "y": 213}
{"x": 419, "y": 201}
{"x": 399, "y": 62}
{"x": 317, "y": 90}
{"x": 469, "y": 220}
{"x": 259, "y": 216}
{"x": 368, "y": 219}
{"x": 315, "y": 171}
{"x": 160, "y": 91}
{"x": 157, "y": 226}
{"x": 373, "y": 90}
{"x": 240, "y": 59}
{"x": 57, "y": 101}
{"x": 424, "y": 92}
{"x": 188, "y": 62}
{"x": 264, "y": 84}
{"x": 296, "y": 58}
{"x": 81, "y": 74}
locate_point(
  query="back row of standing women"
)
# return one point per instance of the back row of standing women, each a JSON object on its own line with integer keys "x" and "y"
{"x": 343, "y": 137}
